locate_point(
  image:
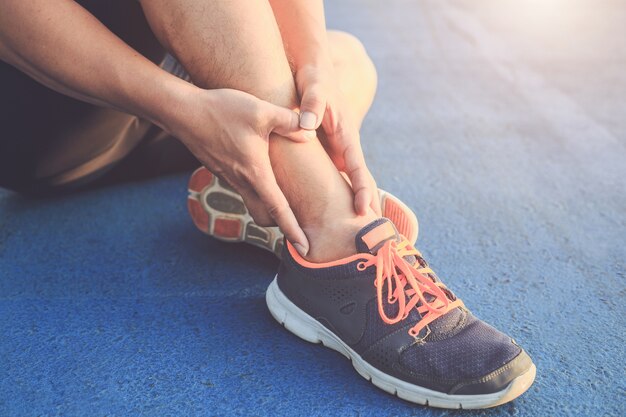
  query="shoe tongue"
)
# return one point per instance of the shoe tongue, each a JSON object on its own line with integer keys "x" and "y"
{"x": 372, "y": 237}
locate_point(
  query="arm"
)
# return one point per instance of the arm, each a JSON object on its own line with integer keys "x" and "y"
{"x": 303, "y": 29}
{"x": 60, "y": 44}
{"x": 63, "y": 46}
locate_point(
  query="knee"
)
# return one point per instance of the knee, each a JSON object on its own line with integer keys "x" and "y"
{"x": 348, "y": 52}
{"x": 346, "y": 45}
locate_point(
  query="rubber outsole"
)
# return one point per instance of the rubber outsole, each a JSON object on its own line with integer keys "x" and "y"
{"x": 306, "y": 327}
{"x": 217, "y": 210}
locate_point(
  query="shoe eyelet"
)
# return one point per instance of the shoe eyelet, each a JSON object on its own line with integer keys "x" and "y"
{"x": 361, "y": 266}
{"x": 414, "y": 334}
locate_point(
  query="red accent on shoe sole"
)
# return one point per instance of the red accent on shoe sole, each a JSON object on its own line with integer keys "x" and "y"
{"x": 200, "y": 179}
{"x": 395, "y": 213}
{"x": 227, "y": 228}
{"x": 199, "y": 216}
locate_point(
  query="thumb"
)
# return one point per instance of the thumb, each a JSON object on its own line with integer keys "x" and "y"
{"x": 286, "y": 123}
{"x": 312, "y": 107}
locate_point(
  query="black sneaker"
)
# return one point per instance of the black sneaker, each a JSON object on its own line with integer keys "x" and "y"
{"x": 386, "y": 311}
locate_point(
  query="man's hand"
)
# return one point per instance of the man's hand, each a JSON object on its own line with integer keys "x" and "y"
{"x": 322, "y": 105}
{"x": 229, "y": 132}
{"x": 303, "y": 28}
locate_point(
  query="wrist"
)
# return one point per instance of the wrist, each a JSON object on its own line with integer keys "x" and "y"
{"x": 173, "y": 105}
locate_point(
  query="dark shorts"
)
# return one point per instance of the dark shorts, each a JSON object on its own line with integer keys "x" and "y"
{"x": 49, "y": 141}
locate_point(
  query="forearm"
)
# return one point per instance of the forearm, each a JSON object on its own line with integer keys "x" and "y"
{"x": 63, "y": 46}
{"x": 303, "y": 29}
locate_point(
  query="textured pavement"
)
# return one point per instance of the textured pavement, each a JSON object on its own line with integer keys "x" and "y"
{"x": 502, "y": 123}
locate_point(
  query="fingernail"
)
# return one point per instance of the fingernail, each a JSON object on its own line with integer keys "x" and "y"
{"x": 308, "y": 120}
{"x": 310, "y": 134}
{"x": 301, "y": 250}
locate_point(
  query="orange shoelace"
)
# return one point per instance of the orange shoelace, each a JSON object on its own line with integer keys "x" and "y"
{"x": 408, "y": 286}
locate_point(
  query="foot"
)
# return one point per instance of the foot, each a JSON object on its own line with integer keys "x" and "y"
{"x": 419, "y": 342}
{"x": 217, "y": 210}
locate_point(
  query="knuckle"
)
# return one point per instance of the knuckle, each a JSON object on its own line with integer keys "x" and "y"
{"x": 238, "y": 171}
{"x": 340, "y": 130}
{"x": 355, "y": 171}
{"x": 243, "y": 177}
{"x": 359, "y": 178}
{"x": 361, "y": 188}
{"x": 258, "y": 113}
{"x": 348, "y": 132}
{"x": 254, "y": 172}
{"x": 261, "y": 218}
{"x": 313, "y": 99}
{"x": 217, "y": 170}
{"x": 277, "y": 210}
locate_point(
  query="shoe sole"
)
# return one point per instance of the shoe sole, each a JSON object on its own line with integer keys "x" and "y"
{"x": 217, "y": 210}
{"x": 306, "y": 327}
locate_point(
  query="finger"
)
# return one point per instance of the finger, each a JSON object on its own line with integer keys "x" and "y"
{"x": 278, "y": 208}
{"x": 312, "y": 107}
{"x": 257, "y": 209}
{"x": 375, "y": 204}
{"x": 286, "y": 123}
{"x": 359, "y": 177}
{"x": 253, "y": 203}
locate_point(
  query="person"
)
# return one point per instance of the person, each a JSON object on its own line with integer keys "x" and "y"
{"x": 271, "y": 103}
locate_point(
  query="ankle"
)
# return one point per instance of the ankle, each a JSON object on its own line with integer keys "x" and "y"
{"x": 334, "y": 239}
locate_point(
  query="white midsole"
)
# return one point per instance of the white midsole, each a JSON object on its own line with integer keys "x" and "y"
{"x": 306, "y": 327}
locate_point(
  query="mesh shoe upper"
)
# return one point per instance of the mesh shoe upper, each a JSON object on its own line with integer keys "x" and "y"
{"x": 477, "y": 349}
{"x": 455, "y": 349}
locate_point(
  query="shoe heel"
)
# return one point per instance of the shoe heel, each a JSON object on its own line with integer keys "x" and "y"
{"x": 400, "y": 215}
{"x": 287, "y": 318}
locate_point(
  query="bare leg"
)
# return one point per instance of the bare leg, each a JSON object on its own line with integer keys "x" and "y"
{"x": 238, "y": 45}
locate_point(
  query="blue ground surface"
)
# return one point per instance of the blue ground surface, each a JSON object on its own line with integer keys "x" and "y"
{"x": 512, "y": 156}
